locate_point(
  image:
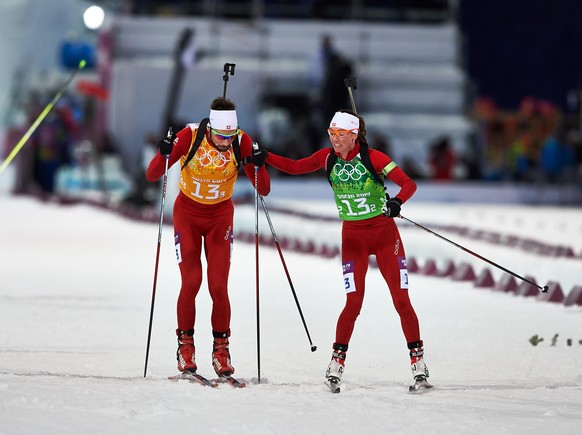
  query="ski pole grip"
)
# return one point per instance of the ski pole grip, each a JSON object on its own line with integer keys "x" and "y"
{"x": 350, "y": 82}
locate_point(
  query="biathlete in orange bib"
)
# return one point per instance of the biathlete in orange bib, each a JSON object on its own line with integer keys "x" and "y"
{"x": 203, "y": 217}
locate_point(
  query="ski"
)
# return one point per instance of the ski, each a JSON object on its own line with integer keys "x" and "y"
{"x": 194, "y": 377}
{"x": 333, "y": 383}
{"x": 230, "y": 380}
{"x": 420, "y": 385}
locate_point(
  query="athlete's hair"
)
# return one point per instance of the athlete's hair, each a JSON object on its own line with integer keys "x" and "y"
{"x": 221, "y": 103}
{"x": 362, "y": 127}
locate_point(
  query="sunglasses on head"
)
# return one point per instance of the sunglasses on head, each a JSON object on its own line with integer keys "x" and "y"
{"x": 223, "y": 136}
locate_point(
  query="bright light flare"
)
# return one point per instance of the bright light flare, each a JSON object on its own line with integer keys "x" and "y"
{"x": 93, "y": 17}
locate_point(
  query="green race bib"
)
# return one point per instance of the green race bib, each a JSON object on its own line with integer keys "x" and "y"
{"x": 357, "y": 194}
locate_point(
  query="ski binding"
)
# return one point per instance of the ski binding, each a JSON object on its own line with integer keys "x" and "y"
{"x": 421, "y": 384}
{"x": 230, "y": 380}
{"x": 333, "y": 383}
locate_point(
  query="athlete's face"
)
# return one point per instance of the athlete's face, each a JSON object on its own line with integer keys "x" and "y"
{"x": 343, "y": 141}
{"x": 222, "y": 139}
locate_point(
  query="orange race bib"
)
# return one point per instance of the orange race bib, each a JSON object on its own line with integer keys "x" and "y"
{"x": 210, "y": 176}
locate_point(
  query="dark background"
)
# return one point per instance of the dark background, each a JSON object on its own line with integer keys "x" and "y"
{"x": 518, "y": 48}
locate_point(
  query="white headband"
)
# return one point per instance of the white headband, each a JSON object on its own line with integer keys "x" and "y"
{"x": 345, "y": 121}
{"x": 223, "y": 119}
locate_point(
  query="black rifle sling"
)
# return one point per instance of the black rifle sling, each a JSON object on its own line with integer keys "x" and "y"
{"x": 364, "y": 156}
{"x": 331, "y": 159}
{"x": 199, "y": 135}
{"x": 236, "y": 149}
{"x": 198, "y": 139}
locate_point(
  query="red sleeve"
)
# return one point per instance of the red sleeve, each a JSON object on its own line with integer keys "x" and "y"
{"x": 181, "y": 146}
{"x": 397, "y": 175}
{"x": 302, "y": 166}
{"x": 263, "y": 179}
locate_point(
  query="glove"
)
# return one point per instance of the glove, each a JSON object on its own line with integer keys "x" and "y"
{"x": 258, "y": 155}
{"x": 392, "y": 207}
{"x": 167, "y": 144}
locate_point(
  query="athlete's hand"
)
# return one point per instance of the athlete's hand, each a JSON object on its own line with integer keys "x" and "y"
{"x": 258, "y": 155}
{"x": 167, "y": 144}
{"x": 392, "y": 207}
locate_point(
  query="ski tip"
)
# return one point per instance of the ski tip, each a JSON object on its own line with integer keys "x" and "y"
{"x": 175, "y": 377}
{"x": 236, "y": 383}
{"x": 192, "y": 376}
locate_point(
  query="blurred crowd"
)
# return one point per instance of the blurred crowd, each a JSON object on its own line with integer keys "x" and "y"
{"x": 49, "y": 147}
{"x": 535, "y": 143}
{"x": 68, "y": 137}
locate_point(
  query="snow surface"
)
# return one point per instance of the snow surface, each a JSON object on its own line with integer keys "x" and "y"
{"x": 76, "y": 287}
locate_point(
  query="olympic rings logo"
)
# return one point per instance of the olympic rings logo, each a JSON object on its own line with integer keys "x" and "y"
{"x": 355, "y": 172}
{"x": 213, "y": 157}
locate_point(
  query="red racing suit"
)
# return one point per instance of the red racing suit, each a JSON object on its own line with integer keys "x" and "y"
{"x": 365, "y": 231}
{"x": 203, "y": 213}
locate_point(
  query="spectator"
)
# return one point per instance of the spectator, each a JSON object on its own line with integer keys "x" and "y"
{"x": 442, "y": 159}
{"x": 381, "y": 143}
{"x": 522, "y": 160}
{"x": 52, "y": 144}
{"x": 410, "y": 167}
{"x": 327, "y": 73}
{"x": 557, "y": 159}
{"x": 334, "y": 93}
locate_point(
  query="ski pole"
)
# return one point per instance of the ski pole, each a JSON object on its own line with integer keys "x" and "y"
{"x": 544, "y": 289}
{"x": 228, "y": 69}
{"x": 256, "y": 147}
{"x": 351, "y": 84}
{"x": 40, "y": 117}
{"x": 313, "y": 348}
{"x": 163, "y": 201}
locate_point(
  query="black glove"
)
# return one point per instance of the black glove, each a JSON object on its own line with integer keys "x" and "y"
{"x": 258, "y": 155}
{"x": 392, "y": 207}
{"x": 166, "y": 144}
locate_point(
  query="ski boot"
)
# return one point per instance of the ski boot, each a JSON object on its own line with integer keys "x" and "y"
{"x": 335, "y": 370}
{"x": 418, "y": 366}
{"x": 221, "y": 354}
{"x": 186, "y": 351}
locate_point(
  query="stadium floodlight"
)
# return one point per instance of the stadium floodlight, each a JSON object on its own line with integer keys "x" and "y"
{"x": 94, "y": 17}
